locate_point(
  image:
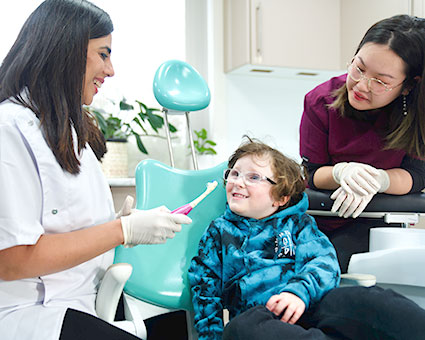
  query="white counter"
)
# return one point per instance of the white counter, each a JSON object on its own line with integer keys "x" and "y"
{"x": 120, "y": 188}
{"x": 122, "y": 182}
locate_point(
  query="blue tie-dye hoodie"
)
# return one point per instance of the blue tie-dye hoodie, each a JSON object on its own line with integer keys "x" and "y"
{"x": 242, "y": 262}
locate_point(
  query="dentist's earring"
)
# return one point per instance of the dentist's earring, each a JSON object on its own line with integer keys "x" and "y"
{"x": 405, "y": 112}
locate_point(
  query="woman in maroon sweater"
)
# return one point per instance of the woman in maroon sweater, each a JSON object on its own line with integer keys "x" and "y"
{"x": 363, "y": 132}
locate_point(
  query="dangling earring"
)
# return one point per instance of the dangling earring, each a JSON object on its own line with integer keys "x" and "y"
{"x": 405, "y": 105}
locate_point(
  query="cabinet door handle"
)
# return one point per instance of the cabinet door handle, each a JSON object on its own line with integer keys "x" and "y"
{"x": 258, "y": 32}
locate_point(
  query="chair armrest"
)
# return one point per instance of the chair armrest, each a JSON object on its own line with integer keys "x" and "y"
{"x": 412, "y": 203}
{"x": 401, "y": 266}
{"x": 351, "y": 279}
{"x": 110, "y": 290}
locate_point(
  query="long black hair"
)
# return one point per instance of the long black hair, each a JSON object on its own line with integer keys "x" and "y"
{"x": 405, "y": 36}
{"x": 44, "y": 71}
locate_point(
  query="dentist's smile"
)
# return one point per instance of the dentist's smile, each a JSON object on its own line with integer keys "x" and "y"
{"x": 98, "y": 82}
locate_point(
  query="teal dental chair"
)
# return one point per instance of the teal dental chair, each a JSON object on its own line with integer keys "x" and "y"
{"x": 158, "y": 282}
{"x": 179, "y": 89}
{"x": 157, "y": 274}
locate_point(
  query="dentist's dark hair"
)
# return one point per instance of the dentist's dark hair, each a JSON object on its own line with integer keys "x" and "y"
{"x": 44, "y": 71}
{"x": 405, "y": 36}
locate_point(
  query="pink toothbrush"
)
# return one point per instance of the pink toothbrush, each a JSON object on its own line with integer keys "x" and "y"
{"x": 185, "y": 209}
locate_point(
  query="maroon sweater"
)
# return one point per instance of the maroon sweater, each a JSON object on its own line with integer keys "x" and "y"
{"x": 326, "y": 138}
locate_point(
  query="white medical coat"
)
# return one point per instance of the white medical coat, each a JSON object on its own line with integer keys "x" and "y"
{"x": 37, "y": 197}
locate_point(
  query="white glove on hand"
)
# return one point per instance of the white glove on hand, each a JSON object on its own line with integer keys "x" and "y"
{"x": 360, "y": 178}
{"x": 126, "y": 207}
{"x": 383, "y": 180}
{"x": 349, "y": 203}
{"x": 151, "y": 226}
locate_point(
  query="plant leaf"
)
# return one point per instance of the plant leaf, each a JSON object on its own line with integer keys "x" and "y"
{"x": 154, "y": 120}
{"x": 114, "y": 127}
{"x": 138, "y": 122}
{"x": 140, "y": 144}
{"x": 203, "y": 134}
{"x": 197, "y": 133}
{"x": 100, "y": 120}
{"x": 210, "y": 151}
{"x": 125, "y": 106}
{"x": 210, "y": 142}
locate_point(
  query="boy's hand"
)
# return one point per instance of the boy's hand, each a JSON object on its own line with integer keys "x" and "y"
{"x": 288, "y": 304}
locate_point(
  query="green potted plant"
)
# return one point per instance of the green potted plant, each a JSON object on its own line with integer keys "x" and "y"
{"x": 116, "y": 130}
{"x": 204, "y": 148}
{"x": 203, "y": 145}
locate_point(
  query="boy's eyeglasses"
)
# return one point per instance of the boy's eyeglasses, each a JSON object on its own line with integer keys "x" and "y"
{"x": 250, "y": 178}
{"x": 376, "y": 86}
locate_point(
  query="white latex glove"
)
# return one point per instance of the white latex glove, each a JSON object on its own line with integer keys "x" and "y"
{"x": 151, "y": 226}
{"x": 349, "y": 204}
{"x": 383, "y": 180}
{"x": 126, "y": 207}
{"x": 360, "y": 178}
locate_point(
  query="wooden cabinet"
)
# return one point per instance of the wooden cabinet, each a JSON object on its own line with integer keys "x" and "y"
{"x": 281, "y": 33}
{"x": 357, "y": 16}
{"x": 303, "y": 34}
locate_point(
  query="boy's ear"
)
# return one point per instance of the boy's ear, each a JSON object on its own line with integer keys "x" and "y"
{"x": 282, "y": 202}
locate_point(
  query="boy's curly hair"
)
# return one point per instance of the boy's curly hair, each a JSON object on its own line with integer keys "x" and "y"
{"x": 288, "y": 174}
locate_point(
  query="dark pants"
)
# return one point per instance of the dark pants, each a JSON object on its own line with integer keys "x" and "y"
{"x": 354, "y": 313}
{"x": 352, "y": 238}
{"x": 81, "y": 326}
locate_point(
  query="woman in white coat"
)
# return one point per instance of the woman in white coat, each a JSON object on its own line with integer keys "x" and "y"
{"x": 57, "y": 224}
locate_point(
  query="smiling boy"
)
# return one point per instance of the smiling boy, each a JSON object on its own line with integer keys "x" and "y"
{"x": 264, "y": 250}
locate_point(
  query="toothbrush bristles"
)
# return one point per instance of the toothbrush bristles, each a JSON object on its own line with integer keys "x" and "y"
{"x": 210, "y": 187}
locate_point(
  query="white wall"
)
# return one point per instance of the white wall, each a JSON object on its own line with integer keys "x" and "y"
{"x": 12, "y": 17}
{"x": 146, "y": 34}
{"x": 266, "y": 108}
